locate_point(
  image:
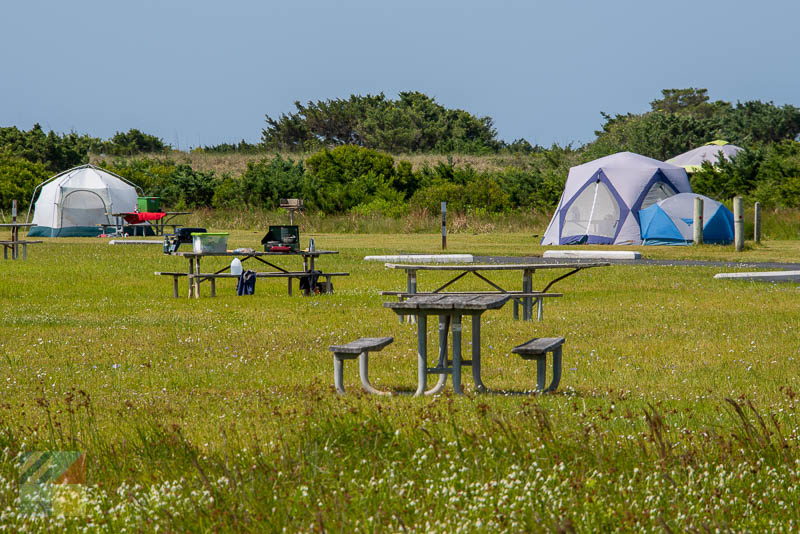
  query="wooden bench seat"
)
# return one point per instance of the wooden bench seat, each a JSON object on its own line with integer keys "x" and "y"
{"x": 360, "y": 349}
{"x": 537, "y": 349}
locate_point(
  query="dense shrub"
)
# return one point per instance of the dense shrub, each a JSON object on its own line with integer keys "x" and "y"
{"x": 265, "y": 182}
{"x": 347, "y": 176}
{"x": 189, "y": 188}
{"x": 18, "y": 179}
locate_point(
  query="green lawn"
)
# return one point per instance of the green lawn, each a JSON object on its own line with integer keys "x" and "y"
{"x": 677, "y": 409}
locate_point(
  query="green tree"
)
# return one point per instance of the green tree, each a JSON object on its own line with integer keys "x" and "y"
{"x": 265, "y": 182}
{"x": 346, "y": 176}
{"x": 18, "y": 178}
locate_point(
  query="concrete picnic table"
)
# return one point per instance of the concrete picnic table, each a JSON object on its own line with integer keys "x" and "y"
{"x": 449, "y": 309}
{"x": 195, "y": 275}
{"x": 527, "y": 295}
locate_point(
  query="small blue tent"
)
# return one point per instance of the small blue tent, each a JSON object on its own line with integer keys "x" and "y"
{"x": 669, "y": 222}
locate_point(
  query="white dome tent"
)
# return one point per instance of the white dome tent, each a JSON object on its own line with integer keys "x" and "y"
{"x": 74, "y": 202}
{"x": 602, "y": 198}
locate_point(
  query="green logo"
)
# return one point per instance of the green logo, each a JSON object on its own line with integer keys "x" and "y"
{"x": 52, "y": 482}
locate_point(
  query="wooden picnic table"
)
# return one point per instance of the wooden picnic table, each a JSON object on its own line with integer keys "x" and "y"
{"x": 449, "y": 309}
{"x": 527, "y": 295}
{"x": 195, "y": 276}
{"x": 15, "y": 242}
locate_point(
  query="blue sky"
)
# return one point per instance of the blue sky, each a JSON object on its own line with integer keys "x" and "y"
{"x": 199, "y": 72}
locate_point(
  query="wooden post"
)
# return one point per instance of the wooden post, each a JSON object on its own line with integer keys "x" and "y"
{"x": 738, "y": 223}
{"x": 14, "y": 231}
{"x": 444, "y": 225}
{"x": 757, "y": 222}
{"x": 697, "y": 224}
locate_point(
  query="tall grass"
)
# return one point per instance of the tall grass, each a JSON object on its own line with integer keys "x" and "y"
{"x": 678, "y": 408}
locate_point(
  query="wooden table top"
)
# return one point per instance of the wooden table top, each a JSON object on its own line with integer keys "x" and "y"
{"x": 450, "y": 302}
{"x": 499, "y": 266}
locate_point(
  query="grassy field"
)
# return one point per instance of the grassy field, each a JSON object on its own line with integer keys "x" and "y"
{"x": 677, "y": 409}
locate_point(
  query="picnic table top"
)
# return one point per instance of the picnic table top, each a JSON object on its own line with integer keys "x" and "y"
{"x": 498, "y": 267}
{"x": 256, "y": 253}
{"x": 450, "y": 302}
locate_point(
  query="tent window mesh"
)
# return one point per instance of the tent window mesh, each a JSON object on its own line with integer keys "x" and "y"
{"x": 595, "y": 212}
{"x": 82, "y": 208}
{"x": 658, "y": 192}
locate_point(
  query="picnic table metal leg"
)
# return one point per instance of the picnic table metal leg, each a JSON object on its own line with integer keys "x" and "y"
{"x": 476, "y": 353}
{"x": 338, "y": 374}
{"x": 556, "y": 370}
{"x": 539, "y": 308}
{"x": 516, "y": 309}
{"x": 527, "y": 285}
{"x": 363, "y": 371}
{"x": 422, "y": 355}
{"x": 328, "y": 285}
{"x": 457, "y": 355}
{"x": 213, "y": 287}
{"x": 24, "y": 251}
{"x": 289, "y": 278}
{"x": 444, "y": 327}
{"x": 411, "y": 287}
{"x": 175, "y": 286}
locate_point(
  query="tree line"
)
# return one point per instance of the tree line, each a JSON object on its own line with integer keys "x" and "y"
{"x": 346, "y": 155}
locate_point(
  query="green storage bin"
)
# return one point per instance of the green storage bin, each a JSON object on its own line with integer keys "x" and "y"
{"x": 149, "y": 204}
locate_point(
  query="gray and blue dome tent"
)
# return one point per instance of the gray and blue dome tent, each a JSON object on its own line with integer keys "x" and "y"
{"x": 602, "y": 198}
{"x": 669, "y": 221}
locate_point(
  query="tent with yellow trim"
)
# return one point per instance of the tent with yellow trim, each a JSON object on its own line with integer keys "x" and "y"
{"x": 693, "y": 160}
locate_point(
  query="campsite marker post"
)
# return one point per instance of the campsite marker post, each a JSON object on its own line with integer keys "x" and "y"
{"x": 444, "y": 225}
{"x": 14, "y": 231}
{"x": 738, "y": 224}
{"x": 757, "y": 222}
{"x": 697, "y": 224}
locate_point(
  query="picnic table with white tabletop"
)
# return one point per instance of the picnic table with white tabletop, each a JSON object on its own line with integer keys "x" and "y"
{"x": 449, "y": 309}
{"x": 527, "y": 295}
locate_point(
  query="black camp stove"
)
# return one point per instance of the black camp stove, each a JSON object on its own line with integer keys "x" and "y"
{"x": 282, "y": 239}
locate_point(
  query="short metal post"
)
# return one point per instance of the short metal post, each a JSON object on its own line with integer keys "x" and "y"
{"x": 738, "y": 223}
{"x": 539, "y": 308}
{"x": 444, "y": 225}
{"x": 697, "y": 223}
{"x": 422, "y": 355}
{"x": 757, "y": 222}
{"x": 213, "y": 286}
{"x": 457, "y": 355}
{"x": 175, "y": 286}
{"x": 516, "y": 309}
{"x": 289, "y": 278}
